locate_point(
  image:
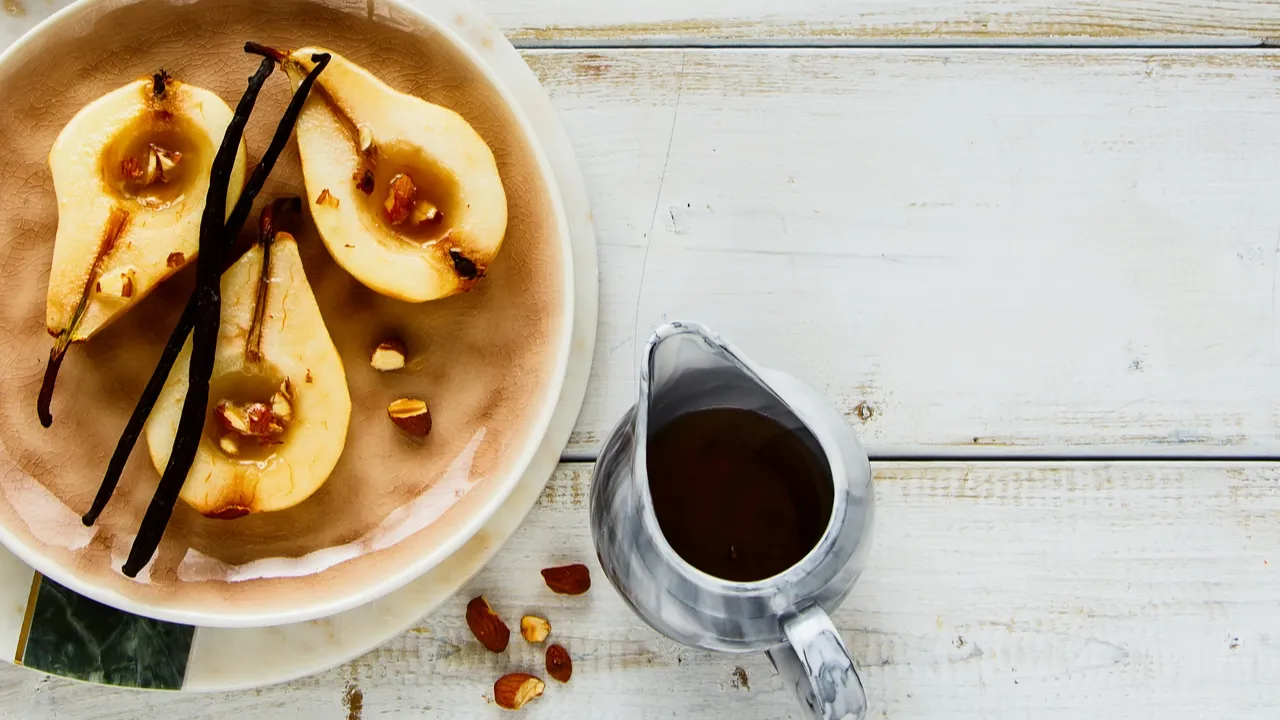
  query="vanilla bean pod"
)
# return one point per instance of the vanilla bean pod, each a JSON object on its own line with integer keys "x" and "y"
{"x": 133, "y": 429}
{"x": 205, "y": 330}
{"x": 222, "y": 164}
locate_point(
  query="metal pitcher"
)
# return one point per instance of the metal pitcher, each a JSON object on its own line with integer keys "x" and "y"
{"x": 687, "y": 368}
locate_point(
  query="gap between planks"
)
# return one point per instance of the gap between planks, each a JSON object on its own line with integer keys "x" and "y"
{"x": 1135, "y": 457}
{"x": 889, "y": 44}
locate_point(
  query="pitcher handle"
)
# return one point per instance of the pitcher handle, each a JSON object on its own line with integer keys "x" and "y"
{"x": 817, "y": 666}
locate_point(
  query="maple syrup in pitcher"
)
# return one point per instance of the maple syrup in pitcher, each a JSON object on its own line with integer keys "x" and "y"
{"x": 737, "y": 494}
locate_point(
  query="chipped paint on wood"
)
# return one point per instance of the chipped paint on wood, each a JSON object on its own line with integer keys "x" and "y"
{"x": 353, "y": 702}
{"x": 579, "y": 71}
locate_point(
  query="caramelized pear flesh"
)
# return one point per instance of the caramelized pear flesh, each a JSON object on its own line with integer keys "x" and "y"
{"x": 405, "y": 193}
{"x": 131, "y": 172}
{"x": 278, "y": 403}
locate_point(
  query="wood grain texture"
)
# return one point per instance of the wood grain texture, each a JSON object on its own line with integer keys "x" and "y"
{"x": 858, "y": 22}
{"x": 972, "y": 252}
{"x": 1010, "y": 590}
{"x": 873, "y": 22}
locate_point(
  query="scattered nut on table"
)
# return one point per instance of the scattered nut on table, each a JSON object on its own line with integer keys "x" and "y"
{"x": 485, "y": 624}
{"x": 534, "y": 629}
{"x": 559, "y": 665}
{"x": 513, "y": 690}
{"x": 572, "y": 579}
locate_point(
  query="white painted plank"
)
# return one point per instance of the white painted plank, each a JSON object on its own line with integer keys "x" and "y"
{"x": 970, "y": 251}
{"x": 853, "y": 22}
{"x": 995, "y": 590}
{"x": 871, "y": 22}
{"x": 15, "y": 590}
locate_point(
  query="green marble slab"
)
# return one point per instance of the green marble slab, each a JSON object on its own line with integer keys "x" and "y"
{"x": 76, "y": 637}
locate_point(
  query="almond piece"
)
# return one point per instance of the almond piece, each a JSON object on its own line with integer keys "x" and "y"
{"x": 364, "y": 137}
{"x": 401, "y": 197}
{"x": 559, "y": 665}
{"x": 159, "y": 162}
{"x": 389, "y": 355}
{"x": 254, "y": 420}
{"x": 568, "y": 579}
{"x": 131, "y": 169}
{"x": 229, "y": 445}
{"x": 410, "y": 415}
{"x": 513, "y": 690}
{"x": 423, "y": 211}
{"x": 487, "y": 626}
{"x": 175, "y": 259}
{"x": 117, "y": 283}
{"x": 263, "y": 423}
{"x": 327, "y": 199}
{"x": 281, "y": 408}
{"x": 534, "y": 629}
{"x": 232, "y": 418}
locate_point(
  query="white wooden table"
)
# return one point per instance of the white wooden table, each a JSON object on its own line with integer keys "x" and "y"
{"x": 1029, "y": 247}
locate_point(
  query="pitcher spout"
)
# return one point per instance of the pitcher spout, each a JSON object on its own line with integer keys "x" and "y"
{"x": 687, "y": 367}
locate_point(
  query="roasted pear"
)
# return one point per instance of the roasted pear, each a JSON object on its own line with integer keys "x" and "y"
{"x": 278, "y": 402}
{"x": 405, "y": 193}
{"x": 131, "y": 171}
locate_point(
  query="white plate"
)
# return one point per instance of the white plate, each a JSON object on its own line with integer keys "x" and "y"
{"x": 45, "y": 626}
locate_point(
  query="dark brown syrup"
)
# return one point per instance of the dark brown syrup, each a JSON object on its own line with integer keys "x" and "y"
{"x": 737, "y": 494}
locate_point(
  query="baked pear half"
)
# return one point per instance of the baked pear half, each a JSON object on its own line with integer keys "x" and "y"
{"x": 278, "y": 400}
{"x": 405, "y": 193}
{"x": 131, "y": 172}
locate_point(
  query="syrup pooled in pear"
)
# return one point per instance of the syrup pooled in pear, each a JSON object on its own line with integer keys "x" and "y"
{"x": 131, "y": 172}
{"x": 278, "y": 402}
{"x": 405, "y": 193}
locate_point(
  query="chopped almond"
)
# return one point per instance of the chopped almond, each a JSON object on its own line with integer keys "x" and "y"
{"x": 401, "y": 197}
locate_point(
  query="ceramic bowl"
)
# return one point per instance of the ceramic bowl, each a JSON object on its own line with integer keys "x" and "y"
{"x": 491, "y": 362}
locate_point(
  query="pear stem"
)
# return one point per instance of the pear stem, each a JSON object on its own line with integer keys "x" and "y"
{"x": 264, "y": 51}
{"x": 206, "y": 314}
{"x": 62, "y": 341}
{"x": 56, "y": 355}
{"x": 268, "y": 223}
